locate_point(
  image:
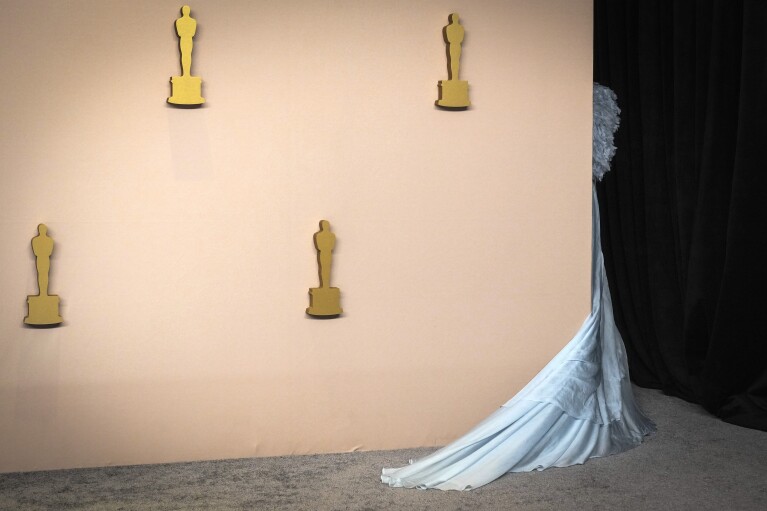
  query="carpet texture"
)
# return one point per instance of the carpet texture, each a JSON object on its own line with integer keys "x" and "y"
{"x": 694, "y": 462}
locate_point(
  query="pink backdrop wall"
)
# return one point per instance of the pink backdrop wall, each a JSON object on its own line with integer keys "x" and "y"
{"x": 184, "y": 237}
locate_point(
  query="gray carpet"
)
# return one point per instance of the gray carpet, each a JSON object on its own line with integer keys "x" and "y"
{"x": 694, "y": 462}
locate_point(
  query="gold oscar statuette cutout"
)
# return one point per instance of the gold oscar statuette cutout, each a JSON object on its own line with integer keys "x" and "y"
{"x": 324, "y": 301}
{"x": 186, "y": 89}
{"x": 43, "y": 308}
{"x": 453, "y": 93}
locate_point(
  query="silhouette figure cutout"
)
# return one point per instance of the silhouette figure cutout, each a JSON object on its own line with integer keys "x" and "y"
{"x": 324, "y": 301}
{"x": 43, "y": 308}
{"x": 453, "y": 93}
{"x": 186, "y": 89}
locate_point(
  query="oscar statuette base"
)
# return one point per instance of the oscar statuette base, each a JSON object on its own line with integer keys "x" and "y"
{"x": 186, "y": 90}
{"x": 324, "y": 302}
{"x": 43, "y": 310}
{"x": 453, "y": 94}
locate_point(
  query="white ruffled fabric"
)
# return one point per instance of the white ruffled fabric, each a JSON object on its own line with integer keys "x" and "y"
{"x": 579, "y": 406}
{"x": 606, "y": 121}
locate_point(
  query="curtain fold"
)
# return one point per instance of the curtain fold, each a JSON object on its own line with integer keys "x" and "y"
{"x": 684, "y": 214}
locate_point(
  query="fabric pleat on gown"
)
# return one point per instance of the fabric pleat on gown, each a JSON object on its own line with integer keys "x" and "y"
{"x": 579, "y": 406}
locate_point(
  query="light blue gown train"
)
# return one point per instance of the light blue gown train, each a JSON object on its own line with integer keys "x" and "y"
{"x": 579, "y": 406}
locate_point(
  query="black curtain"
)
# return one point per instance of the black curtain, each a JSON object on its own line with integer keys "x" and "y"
{"x": 684, "y": 210}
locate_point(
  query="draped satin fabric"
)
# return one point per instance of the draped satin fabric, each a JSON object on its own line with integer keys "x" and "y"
{"x": 579, "y": 406}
